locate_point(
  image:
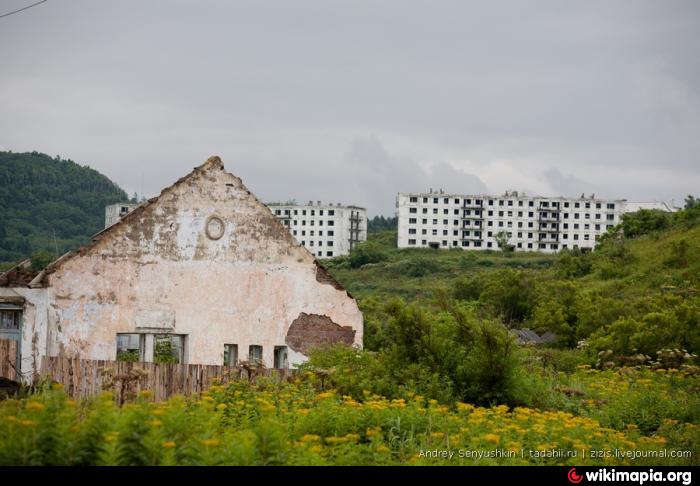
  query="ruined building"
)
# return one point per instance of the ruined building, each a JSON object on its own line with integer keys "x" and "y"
{"x": 204, "y": 273}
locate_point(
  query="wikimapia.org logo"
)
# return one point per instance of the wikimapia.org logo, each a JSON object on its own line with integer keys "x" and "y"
{"x": 639, "y": 477}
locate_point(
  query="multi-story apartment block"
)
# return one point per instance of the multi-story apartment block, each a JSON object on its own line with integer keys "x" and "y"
{"x": 326, "y": 230}
{"x": 529, "y": 223}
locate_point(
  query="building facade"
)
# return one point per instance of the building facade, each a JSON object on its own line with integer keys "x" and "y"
{"x": 326, "y": 230}
{"x": 204, "y": 271}
{"x": 115, "y": 212}
{"x": 527, "y": 223}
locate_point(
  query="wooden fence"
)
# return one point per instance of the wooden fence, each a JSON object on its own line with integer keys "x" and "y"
{"x": 8, "y": 358}
{"x": 83, "y": 378}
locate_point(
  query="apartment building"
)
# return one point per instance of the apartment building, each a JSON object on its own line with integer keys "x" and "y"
{"x": 115, "y": 212}
{"x": 529, "y": 223}
{"x": 326, "y": 230}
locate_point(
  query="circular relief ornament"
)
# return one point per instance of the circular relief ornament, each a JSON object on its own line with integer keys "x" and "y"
{"x": 214, "y": 227}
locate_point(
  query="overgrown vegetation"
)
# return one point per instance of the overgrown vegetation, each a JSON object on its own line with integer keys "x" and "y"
{"x": 307, "y": 423}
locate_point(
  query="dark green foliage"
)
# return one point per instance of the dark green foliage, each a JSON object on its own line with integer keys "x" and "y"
{"x": 49, "y": 204}
{"x": 644, "y": 221}
{"x": 510, "y": 294}
{"x": 131, "y": 356}
{"x": 380, "y": 223}
{"x": 666, "y": 321}
{"x": 415, "y": 267}
{"x": 574, "y": 263}
{"x": 41, "y": 258}
{"x": 450, "y": 355}
{"x": 467, "y": 288}
{"x": 364, "y": 253}
{"x": 679, "y": 254}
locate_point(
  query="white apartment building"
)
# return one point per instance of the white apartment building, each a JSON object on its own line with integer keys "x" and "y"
{"x": 326, "y": 230}
{"x": 115, "y": 212}
{"x": 531, "y": 223}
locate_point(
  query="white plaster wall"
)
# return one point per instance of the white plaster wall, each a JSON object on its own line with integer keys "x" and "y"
{"x": 34, "y": 328}
{"x": 245, "y": 288}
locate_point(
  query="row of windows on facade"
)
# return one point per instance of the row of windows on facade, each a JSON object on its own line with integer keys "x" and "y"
{"x": 311, "y": 233}
{"x": 311, "y": 243}
{"x": 169, "y": 348}
{"x": 520, "y": 214}
{"x": 509, "y": 224}
{"x": 530, "y": 236}
{"x": 478, "y": 244}
{"x": 288, "y": 212}
{"x": 510, "y": 202}
{"x": 330, "y": 222}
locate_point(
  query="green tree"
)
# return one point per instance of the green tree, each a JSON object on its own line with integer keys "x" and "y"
{"x": 41, "y": 259}
{"x": 510, "y": 294}
{"x": 502, "y": 241}
{"x": 644, "y": 221}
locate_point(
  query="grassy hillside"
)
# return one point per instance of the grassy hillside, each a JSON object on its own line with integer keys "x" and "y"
{"x": 413, "y": 272}
{"x": 49, "y": 204}
{"x": 634, "y": 267}
{"x": 632, "y": 295}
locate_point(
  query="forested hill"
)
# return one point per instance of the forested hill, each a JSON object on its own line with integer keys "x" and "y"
{"x": 49, "y": 204}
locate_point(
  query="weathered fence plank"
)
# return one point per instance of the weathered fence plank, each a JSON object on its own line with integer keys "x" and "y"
{"x": 8, "y": 358}
{"x": 82, "y": 378}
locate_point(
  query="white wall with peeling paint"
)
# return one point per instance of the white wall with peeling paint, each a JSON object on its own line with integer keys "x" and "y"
{"x": 157, "y": 271}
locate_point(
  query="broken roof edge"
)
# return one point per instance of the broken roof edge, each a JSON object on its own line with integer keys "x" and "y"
{"x": 213, "y": 162}
{"x": 5, "y": 274}
{"x": 21, "y": 263}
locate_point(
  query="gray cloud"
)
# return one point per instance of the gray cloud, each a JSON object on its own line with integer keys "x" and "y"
{"x": 541, "y": 96}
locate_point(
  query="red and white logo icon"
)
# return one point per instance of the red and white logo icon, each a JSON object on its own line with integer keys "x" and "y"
{"x": 574, "y": 477}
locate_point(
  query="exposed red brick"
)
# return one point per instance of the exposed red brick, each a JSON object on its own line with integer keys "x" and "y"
{"x": 309, "y": 331}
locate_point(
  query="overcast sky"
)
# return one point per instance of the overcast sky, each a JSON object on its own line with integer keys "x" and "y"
{"x": 353, "y": 101}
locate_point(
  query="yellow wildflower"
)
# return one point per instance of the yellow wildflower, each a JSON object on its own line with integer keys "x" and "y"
{"x": 35, "y": 406}
{"x": 464, "y": 407}
{"x": 310, "y": 438}
{"x": 492, "y": 438}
